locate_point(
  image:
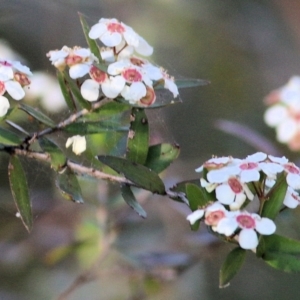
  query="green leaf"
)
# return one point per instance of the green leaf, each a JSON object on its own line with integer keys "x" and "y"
{"x": 58, "y": 159}
{"x": 65, "y": 91}
{"x": 197, "y": 198}
{"x": 37, "y": 115}
{"x": 138, "y": 174}
{"x": 277, "y": 243}
{"x": 131, "y": 201}
{"x": 161, "y": 156}
{"x": 180, "y": 188}
{"x": 9, "y": 138}
{"x": 282, "y": 261}
{"x": 277, "y": 194}
{"x": 68, "y": 185}
{"x": 92, "y": 43}
{"x": 84, "y": 128}
{"x": 19, "y": 189}
{"x": 76, "y": 92}
{"x": 231, "y": 266}
{"x": 138, "y": 137}
{"x": 110, "y": 109}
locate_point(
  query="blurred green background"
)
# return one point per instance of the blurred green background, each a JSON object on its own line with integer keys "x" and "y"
{"x": 245, "y": 49}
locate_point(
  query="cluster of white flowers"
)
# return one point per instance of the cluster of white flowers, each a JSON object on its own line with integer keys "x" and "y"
{"x": 127, "y": 75}
{"x": 13, "y": 77}
{"x": 284, "y": 113}
{"x": 230, "y": 178}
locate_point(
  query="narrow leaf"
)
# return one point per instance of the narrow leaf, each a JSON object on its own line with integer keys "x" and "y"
{"x": 161, "y": 156}
{"x": 92, "y": 43}
{"x": 76, "y": 92}
{"x": 231, "y": 266}
{"x": 138, "y": 137}
{"x": 273, "y": 205}
{"x": 19, "y": 189}
{"x": 138, "y": 174}
{"x": 188, "y": 83}
{"x": 65, "y": 91}
{"x": 58, "y": 159}
{"x": 9, "y": 138}
{"x": 68, "y": 185}
{"x": 282, "y": 261}
{"x": 131, "y": 201}
{"x": 17, "y": 127}
{"x": 84, "y": 128}
{"x": 37, "y": 115}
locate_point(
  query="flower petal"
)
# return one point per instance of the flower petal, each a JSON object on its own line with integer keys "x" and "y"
{"x": 195, "y": 216}
{"x": 4, "y": 106}
{"x": 265, "y": 226}
{"x": 90, "y": 90}
{"x": 14, "y": 89}
{"x": 248, "y": 239}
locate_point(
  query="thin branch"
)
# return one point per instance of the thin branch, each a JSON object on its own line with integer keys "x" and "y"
{"x": 79, "y": 169}
{"x": 74, "y": 117}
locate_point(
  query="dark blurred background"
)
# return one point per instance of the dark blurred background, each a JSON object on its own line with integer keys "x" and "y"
{"x": 245, "y": 49}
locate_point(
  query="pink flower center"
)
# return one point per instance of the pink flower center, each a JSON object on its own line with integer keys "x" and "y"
{"x": 21, "y": 78}
{"x": 248, "y": 166}
{"x": 2, "y": 88}
{"x": 213, "y": 218}
{"x": 132, "y": 75}
{"x": 115, "y": 27}
{"x": 98, "y": 75}
{"x": 235, "y": 185}
{"x": 73, "y": 60}
{"x": 246, "y": 221}
{"x": 150, "y": 97}
{"x": 291, "y": 168}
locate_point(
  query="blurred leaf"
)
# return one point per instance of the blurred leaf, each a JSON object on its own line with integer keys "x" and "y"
{"x": 58, "y": 159}
{"x": 161, "y": 156}
{"x": 129, "y": 198}
{"x": 186, "y": 83}
{"x": 37, "y": 115}
{"x": 277, "y": 243}
{"x": 92, "y": 43}
{"x": 68, "y": 185}
{"x": 9, "y": 138}
{"x": 277, "y": 194}
{"x": 19, "y": 189}
{"x": 138, "y": 137}
{"x": 138, "y": 174}
{"x": 17, "y": 127}
{"x": 76, "y": 92}
{"x": 231, "y": 266}
{"x": 282, "y": 261}
{"x": 84, "y": 128}
{"x": 65, "y": 91}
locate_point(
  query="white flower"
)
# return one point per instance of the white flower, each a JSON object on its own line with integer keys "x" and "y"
{"x": 233, "y": 191}
{"x": 249, "y": 224}
{"x": 292, "y": 198}
{"x": 250, "y": 167}
{"x": 79, "y": 144}
{"x": 113, "y": 33}
{"x": 79, "y": 60}
{"x": 284, "y": 113}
